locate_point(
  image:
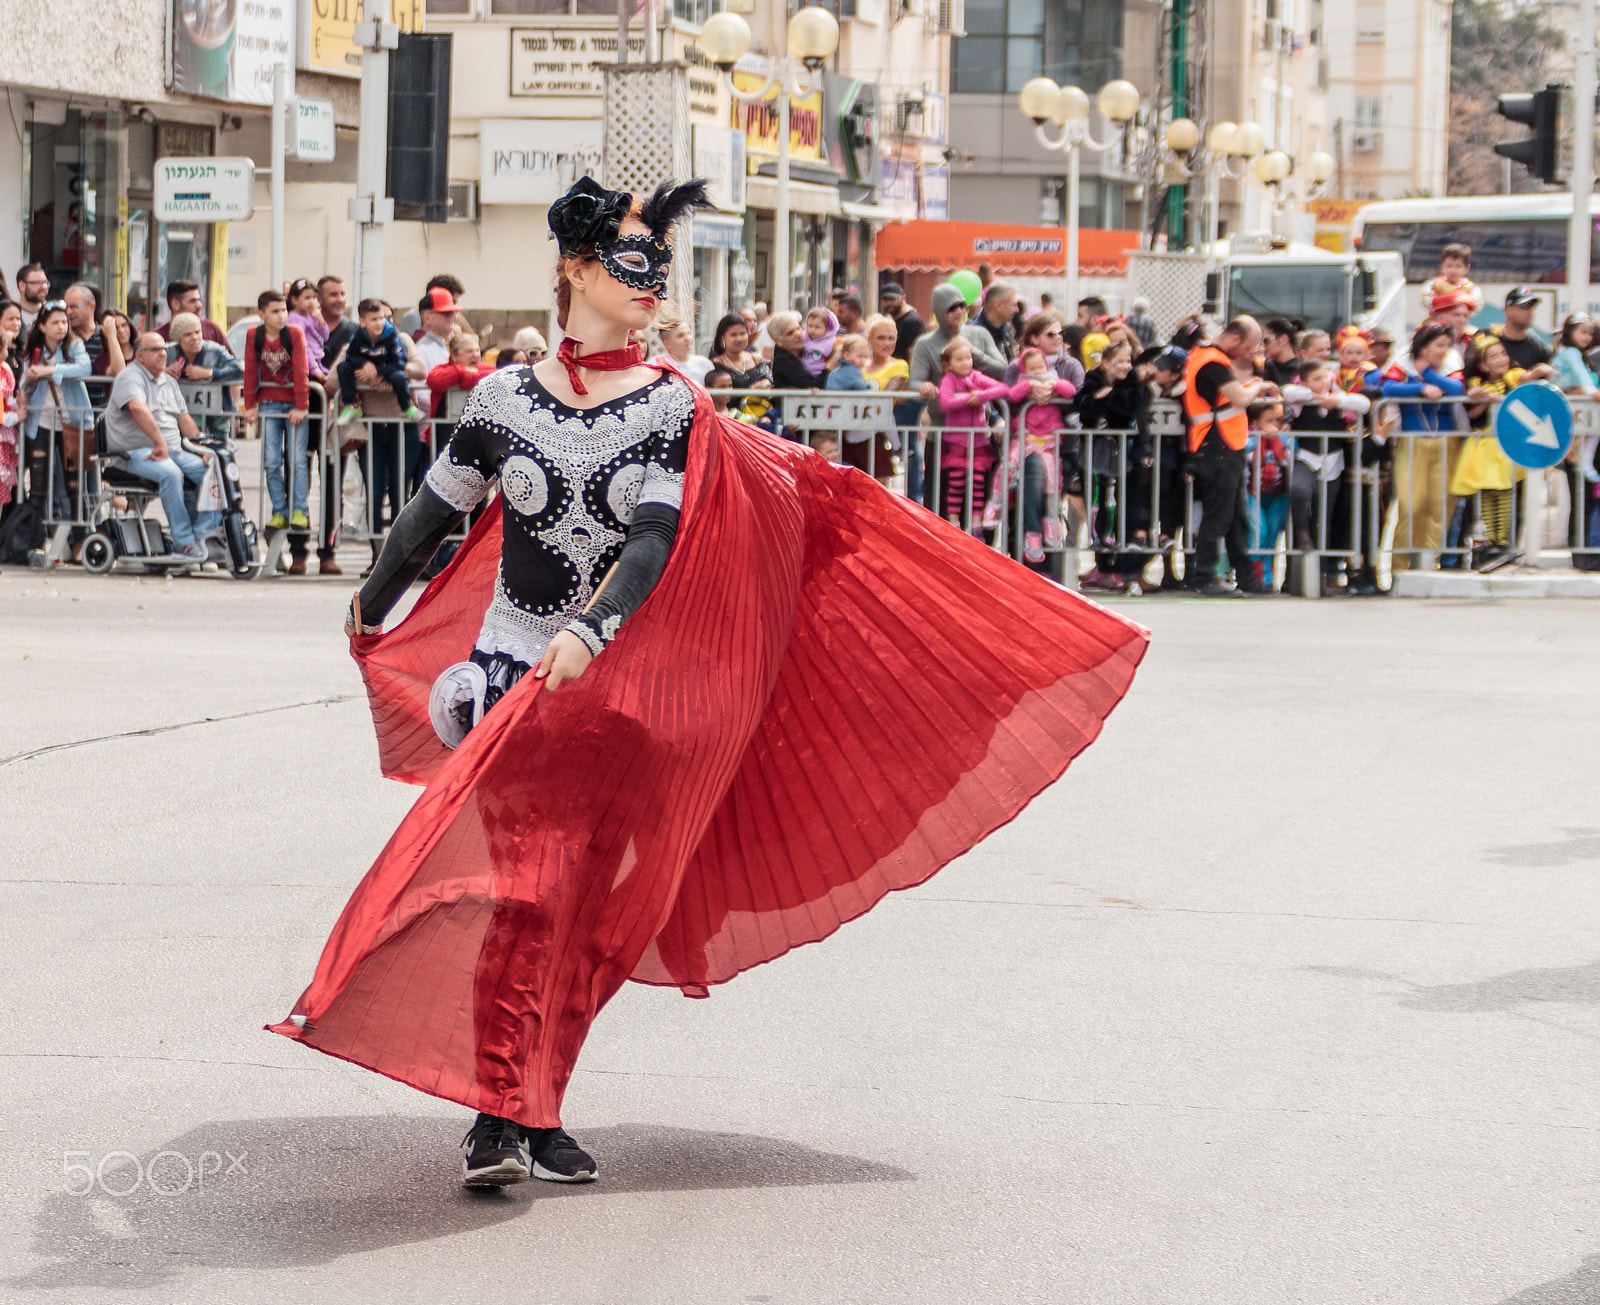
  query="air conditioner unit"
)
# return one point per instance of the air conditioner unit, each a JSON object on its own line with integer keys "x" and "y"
{"x": 463, "y": 204}
{"x": 1365, "y": 142}
{"x": 949, "y": 17}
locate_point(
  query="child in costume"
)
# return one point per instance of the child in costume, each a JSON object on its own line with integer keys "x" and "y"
{"x": 1483, "y": 468}
{"x": 1455, "y": 264}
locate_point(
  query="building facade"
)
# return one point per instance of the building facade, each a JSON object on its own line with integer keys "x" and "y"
{"x": 97, "y": 101}
{"x": 1271, "y": 66}
{"x": 999, "y": 171}
{"x": 1389, "y": 97}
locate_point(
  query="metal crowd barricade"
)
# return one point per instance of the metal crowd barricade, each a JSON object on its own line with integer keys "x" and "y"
{"x": 392, "y": 457}
{"x": 836, "y": 421}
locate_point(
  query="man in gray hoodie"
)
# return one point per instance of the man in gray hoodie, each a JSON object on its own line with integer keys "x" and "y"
{"x": 950, "y": 320}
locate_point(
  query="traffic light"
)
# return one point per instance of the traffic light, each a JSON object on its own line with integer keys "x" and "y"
{"x": 1540, "y": 110}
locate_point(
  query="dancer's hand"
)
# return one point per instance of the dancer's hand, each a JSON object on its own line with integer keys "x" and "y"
{"x": 566, "y": 658}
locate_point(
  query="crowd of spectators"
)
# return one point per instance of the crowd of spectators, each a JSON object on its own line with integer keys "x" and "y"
{"x": 404, "y": 380}
{"x": 1282, "y": 425}
{"x": 1306, "y": 429}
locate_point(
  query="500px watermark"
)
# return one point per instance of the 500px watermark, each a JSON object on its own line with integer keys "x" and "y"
{"x": 169, "y": 1173}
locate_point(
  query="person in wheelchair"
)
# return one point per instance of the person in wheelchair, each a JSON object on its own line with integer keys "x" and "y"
{"x": 147, "y": 422}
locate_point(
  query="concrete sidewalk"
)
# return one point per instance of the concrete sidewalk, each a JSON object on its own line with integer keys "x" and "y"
{"x": 1286, "y": 993}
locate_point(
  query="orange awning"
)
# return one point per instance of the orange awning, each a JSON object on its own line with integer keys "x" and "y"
{"x": 1008, "y": 249}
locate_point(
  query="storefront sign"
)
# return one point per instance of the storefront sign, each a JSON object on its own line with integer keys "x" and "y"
{"x": 533, "y": 160}
{"x": 564, "y": 61}
{"x": 325, "y": 28}
{"x": 713, "y": 232}
{"x": 182, "y": 139}
{"x": 204, "y": 190}
{"x": 708, "y": 93}
{"x": 227, "y": 49}
{"x": 312, "y": 124}
{"x": 719, "y": 158}
{"x": 759, "y": 120}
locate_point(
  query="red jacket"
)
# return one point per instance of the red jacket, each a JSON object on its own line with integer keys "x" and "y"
{"x": 286, "y": 384}
{"x": 453, "y": 376}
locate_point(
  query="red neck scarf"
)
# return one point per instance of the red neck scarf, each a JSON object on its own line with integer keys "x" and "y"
{"x": 614, "y": 360}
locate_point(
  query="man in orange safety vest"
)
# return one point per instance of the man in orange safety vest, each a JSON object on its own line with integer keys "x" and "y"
{"x": 1215, "y": 404}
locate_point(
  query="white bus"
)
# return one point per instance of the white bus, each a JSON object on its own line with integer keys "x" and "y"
{"x": 1516, "y": 240}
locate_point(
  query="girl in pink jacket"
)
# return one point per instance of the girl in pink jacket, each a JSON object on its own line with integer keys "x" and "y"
{"x": 966, "y": 452}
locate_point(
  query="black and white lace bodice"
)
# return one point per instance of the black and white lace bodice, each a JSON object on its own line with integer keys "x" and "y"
{"x": 570, "y": 481}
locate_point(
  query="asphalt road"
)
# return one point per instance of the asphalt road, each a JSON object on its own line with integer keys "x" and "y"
{"x": 1287, "y": 993}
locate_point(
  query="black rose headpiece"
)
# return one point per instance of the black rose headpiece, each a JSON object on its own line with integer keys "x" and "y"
{"x": 588, "y": 216}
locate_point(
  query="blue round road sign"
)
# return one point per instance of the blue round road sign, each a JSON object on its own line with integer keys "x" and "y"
{"x": 1534, "y": 425}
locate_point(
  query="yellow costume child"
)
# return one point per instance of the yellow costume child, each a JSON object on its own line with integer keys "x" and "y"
{"x": 1483, "y": 468}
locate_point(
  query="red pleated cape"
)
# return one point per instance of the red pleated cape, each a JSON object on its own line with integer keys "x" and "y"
{"x": 830, "y": 694}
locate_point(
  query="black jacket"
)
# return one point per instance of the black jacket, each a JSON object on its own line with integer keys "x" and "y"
{"x": 1127, "y": 407}
{"x": 789, "y": 373}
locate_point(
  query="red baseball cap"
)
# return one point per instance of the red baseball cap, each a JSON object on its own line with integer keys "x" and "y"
{"x": 440, "y": 300}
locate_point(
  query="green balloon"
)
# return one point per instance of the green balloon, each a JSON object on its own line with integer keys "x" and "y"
{"x": 967, "y": 282}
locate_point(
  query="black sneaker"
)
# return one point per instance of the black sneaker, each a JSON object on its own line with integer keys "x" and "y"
{"x": 559, "y": 1159}
{"x": 495, "y": 1154}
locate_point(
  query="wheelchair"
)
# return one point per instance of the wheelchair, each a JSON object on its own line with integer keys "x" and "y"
{"x": 122, "y": 535}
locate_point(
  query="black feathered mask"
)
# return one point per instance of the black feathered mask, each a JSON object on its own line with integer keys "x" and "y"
{"x": 588, "y": 217}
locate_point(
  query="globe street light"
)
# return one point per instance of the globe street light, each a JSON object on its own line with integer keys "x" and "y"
{"x": 1229, "y": 149}
{"x": 1275, "y": 167}
{"x": 813, "y": 36}
{"x": 1068, "y": 108}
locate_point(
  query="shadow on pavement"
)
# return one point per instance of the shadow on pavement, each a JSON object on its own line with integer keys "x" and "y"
{"x": 1578, "y": 984}
{"x": 308, "y": 1191}
{"x": 1581, "y": 1287}
{"x": 1578, "y": 845}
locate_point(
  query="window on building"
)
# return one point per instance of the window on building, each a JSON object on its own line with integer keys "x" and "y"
{"x": 453, "y": 8}
{"x": 696, "y": 11}
{"x": 1369, "y": 22}
{"x": 1076, "y": 42}
{"x": 514, "y": 8}
{"x": 1369, "y": 111}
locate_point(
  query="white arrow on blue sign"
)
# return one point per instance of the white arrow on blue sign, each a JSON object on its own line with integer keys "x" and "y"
{"x": 1534, "y": 425}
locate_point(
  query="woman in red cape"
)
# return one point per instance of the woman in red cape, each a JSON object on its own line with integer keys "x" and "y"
{"x": 813, "y": 693}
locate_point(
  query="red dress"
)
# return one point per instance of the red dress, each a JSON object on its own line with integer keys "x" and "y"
{"x": 829, "y": 694}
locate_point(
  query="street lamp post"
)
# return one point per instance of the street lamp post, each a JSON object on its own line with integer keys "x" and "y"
{"x": 1068, "y": 107}
{"x": 813, "y": 37}
{"x": 1229, "y": 149}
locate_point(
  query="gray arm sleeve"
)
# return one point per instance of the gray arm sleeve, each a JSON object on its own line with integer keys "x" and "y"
{"x": 413, "y": 539}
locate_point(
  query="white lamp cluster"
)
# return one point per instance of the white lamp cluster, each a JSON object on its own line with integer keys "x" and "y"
{"x": 1042, "y": 100}
{"x": 812, "y": 38}
{"x": 1231, "y": 149}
